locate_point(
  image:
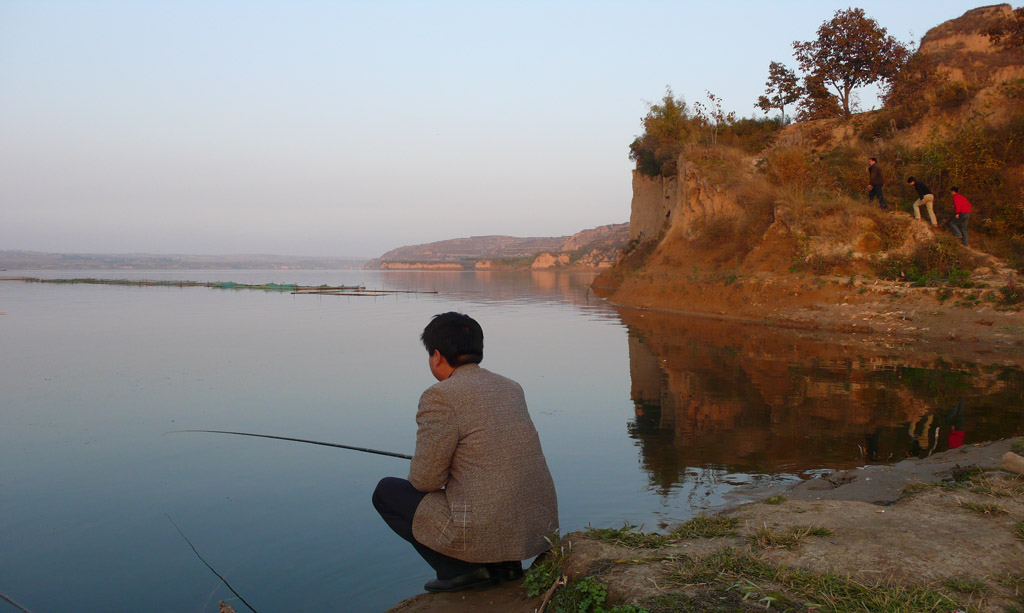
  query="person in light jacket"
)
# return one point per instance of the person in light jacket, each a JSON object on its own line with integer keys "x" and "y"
{"x": 924, "y": 197}
{"x": 479, "y": 498}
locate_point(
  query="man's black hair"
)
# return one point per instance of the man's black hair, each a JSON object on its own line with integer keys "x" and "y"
{"x": 911, "y": 179}
{"x": 955, "y": 190}
{"x": 458, "y": 337}
{"x": 874, "y": 160}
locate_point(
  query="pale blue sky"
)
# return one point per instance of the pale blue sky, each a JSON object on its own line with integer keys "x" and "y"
{"x": 350, "y": 128}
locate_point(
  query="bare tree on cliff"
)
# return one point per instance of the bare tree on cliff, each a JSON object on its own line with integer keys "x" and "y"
{"x": 712, "y": 117}
{"x": 851, "y": 51}
{"x": 782, "y": 89}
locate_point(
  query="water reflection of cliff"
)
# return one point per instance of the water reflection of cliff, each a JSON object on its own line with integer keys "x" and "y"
{"x": 746, "y": 398}
{"x": 501, "y": 286}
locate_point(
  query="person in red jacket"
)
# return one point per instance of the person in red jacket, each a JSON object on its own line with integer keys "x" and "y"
{"x": 961, "y": 215}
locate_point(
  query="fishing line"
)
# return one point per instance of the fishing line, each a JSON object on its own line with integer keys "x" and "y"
{"x": 8, "y": 600}
{"x": 219, "y": 576}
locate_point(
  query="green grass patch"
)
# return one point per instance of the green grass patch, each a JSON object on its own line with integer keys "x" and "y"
{"x": 1017, "y": 447}
{"x": 588, "y": 595}
{"x": 779, "y": 499}
{"x": 915, "y": 487}
{"x": 983, "y": 508}
{"x": 966, "y": 585}
{"x": 766, "y": 538}
{"x": 628, "y": 536}
{"x": 705, "y": 526}
{"x": 1013, "y": 582}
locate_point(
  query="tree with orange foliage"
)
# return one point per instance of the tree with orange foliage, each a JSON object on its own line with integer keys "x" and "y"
{"x": 851, "y": 51}
{"x": 782, "y": 89}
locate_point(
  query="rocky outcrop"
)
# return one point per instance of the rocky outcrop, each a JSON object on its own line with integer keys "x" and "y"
{"x": 961, "y": 48}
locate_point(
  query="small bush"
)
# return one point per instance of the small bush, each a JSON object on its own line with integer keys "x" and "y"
{"x": 1013, "y": 88}
{"x": 826, "y": 264}
{"x": 1011, "y": 294}
{"x": 584, "y": 595}
{"x": 788, "y": 165}
{"x": 943, "y": 261}
{"x": 954, "y": 95}
{"x": 547, "y": 568}
{"x": 751, "y": 135}
{"x": 892, "y": 230}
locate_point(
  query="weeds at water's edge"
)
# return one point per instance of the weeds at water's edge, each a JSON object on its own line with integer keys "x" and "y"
{"x": 774, "y": 500}
{"x": 548, "y": 567}
{"x": 630, "y": 535}
{"x": 707, "y": 527}
{"x": 766, "y": 538}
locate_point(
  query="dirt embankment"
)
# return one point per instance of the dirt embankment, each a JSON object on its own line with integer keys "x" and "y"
{"x": 963, "y": 323}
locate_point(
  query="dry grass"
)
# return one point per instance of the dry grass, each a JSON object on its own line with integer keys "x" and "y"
{"x": 775, "y": 586}
{"x": 766, "y": 538}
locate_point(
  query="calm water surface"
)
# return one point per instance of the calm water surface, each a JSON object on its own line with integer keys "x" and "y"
{"x": 643, "y": 417}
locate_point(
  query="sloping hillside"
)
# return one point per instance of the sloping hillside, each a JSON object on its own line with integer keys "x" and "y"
{"x": 785, "y": 234}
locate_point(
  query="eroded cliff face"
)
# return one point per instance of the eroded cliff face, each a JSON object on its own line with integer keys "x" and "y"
{"x": 684, "y": 202}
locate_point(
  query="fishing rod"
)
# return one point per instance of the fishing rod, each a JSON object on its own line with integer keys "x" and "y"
{"x": 302, "y": 440}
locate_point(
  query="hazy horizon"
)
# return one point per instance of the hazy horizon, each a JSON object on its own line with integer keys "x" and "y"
{"x": 354, "y": 128}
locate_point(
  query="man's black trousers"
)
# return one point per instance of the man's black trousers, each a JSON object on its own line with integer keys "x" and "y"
{"x": 396, "y": 501}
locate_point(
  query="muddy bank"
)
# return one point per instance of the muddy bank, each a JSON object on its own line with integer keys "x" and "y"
{"x": 962, "y": 324}
{"x": 939, "y": 533}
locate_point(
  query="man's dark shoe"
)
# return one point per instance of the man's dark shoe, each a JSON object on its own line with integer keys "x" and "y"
{"x": 479, "y": 579}
{"x": 507, "y": 571}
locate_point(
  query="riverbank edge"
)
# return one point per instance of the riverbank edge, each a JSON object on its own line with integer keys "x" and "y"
{"x": 846, "y": 499}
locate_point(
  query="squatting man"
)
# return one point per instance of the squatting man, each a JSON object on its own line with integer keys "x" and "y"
{"x": 479, "y": 498}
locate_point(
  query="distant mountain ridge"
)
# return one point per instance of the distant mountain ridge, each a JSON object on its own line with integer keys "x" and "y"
{"x": 38, "y": 260}
{"x": 595, "y": 248}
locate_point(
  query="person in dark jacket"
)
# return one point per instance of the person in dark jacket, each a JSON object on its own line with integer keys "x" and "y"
{"x": 961, "y": 215}
{"x": 876, "y": 180}
{"x": 925, "y": 197}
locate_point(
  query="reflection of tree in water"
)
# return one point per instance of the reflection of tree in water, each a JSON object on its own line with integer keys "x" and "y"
{"x": 717, "y": 398}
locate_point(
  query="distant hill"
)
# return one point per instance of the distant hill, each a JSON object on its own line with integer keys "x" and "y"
{"x": 592, "y": 249}
{"x": 37, "y": 260}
